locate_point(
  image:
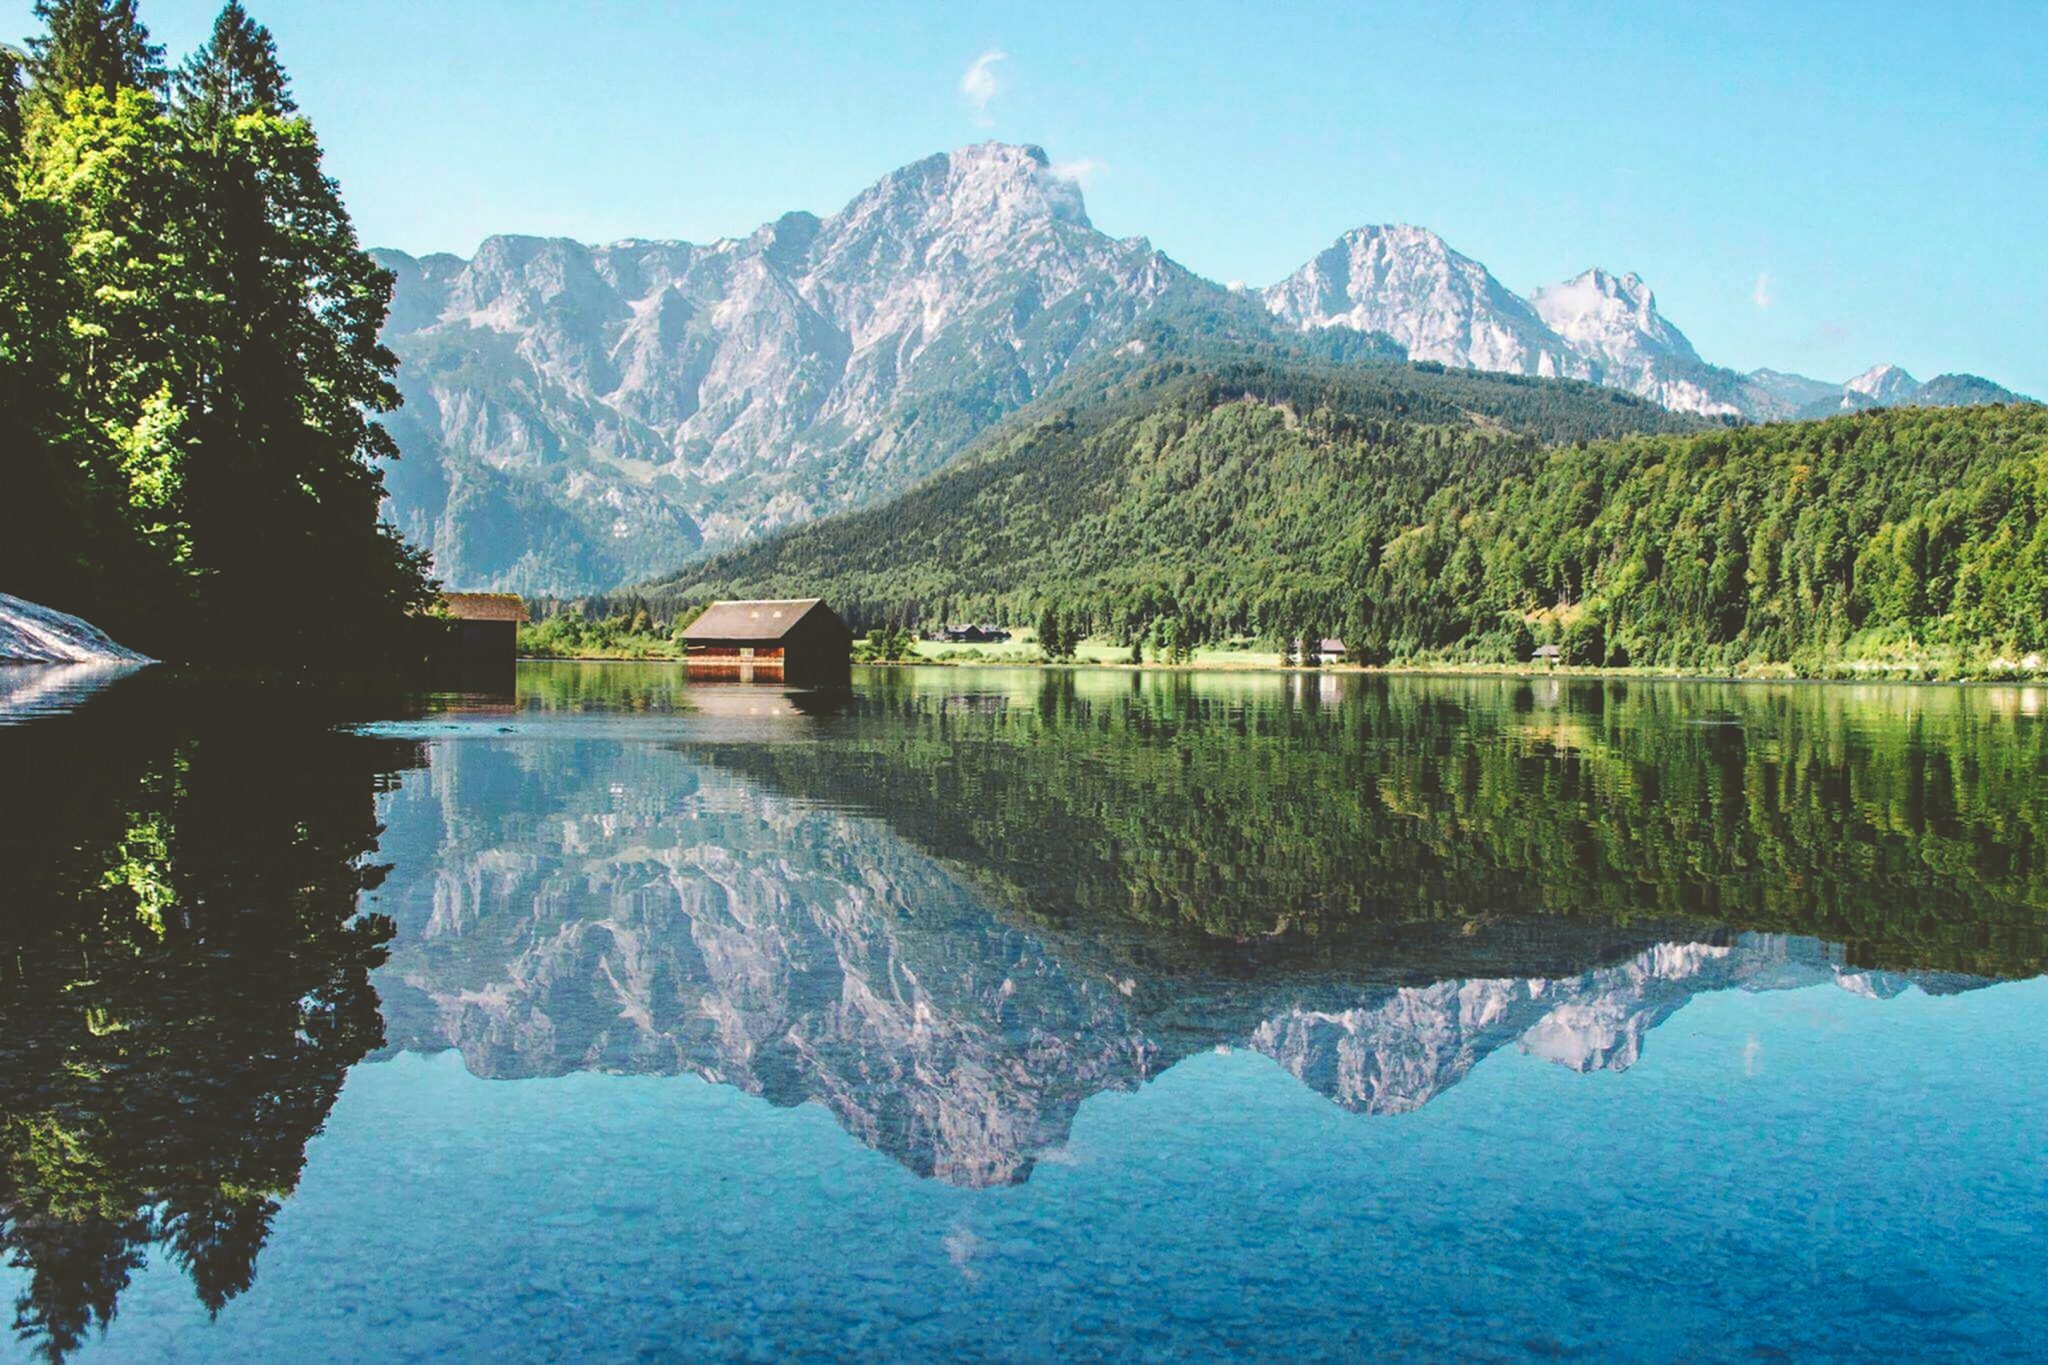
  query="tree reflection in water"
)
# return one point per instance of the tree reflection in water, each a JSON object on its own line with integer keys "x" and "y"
{"x": 961, "y": 903}
{"x": 184, "y": 980}
{"x": 950, "y": 906}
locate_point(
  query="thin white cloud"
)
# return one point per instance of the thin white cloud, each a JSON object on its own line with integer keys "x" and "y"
{"x": 980, "y": 84}
{"x": 1082, "y": 171}
{"x": 1763, "y": 294}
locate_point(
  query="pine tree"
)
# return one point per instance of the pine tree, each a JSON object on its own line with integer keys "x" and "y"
{"x": 93, "y": 45}
{"x": 286, "y": 500}
{"x": 236, "y": 72}
{"x": 13, "y": 87}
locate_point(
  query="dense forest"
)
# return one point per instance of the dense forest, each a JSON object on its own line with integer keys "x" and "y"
{"x": 1454, "y": 517}
{"x": 189, "y": 354}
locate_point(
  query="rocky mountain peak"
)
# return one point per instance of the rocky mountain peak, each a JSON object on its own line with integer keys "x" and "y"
{"x": 786, "y": 243}
{"x": 1884, "y": 384}
{"x": 996, "y": 183}
{"x": 579, "y": 417}
{"x": 594, "y": 414}
{"x": 1442, "y": 305}
{"x": 1613, "y": 318}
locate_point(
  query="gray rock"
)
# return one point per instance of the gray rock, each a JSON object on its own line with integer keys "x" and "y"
{"x": 31, "y": 634}
{"x": 582, "y": 416}
{"x": 578, "y": 418}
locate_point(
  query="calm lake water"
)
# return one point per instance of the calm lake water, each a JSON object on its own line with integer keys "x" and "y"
{"x": 1022, "y": 1014}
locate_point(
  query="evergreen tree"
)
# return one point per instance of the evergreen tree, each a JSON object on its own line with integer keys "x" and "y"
{"x": 286, "y": 502}
{"x": 93, "y": 45}
{"x": 1049, "y": 633}
{"x": 235, "y": 73}
{"x": 13, "y": 87}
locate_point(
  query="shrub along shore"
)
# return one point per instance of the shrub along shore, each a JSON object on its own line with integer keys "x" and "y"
{"x": 569, "y": 636}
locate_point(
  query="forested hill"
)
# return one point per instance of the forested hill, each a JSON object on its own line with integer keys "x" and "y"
{"x": 1458, "y": 517}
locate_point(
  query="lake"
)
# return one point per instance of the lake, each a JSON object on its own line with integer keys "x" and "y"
{"x": 1022, "y": 1014}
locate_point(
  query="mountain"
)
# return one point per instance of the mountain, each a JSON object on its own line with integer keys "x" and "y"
{"x": 577, "y": 417}
{"x": 1883, "y": 386}
{"x": 1443, "y": 517}
{"x": 1442, "y": 306}
{"x": 1217, "y": 483}
{"x": 1613, "y": 322}
{"x": 1775, "y": 395}
{"x": 1888, "y": 386}
{"x": 1963, "y": 391}
{"x": 1446, "y": 307}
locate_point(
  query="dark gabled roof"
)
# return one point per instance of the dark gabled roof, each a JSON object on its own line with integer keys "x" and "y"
{"x": 483, "y": 606}
{"x": 753, "y": 620}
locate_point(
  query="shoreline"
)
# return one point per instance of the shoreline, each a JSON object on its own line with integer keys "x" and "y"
{"x": 1571, "y": 673}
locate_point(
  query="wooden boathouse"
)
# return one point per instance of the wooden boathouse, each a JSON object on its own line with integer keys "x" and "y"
{"x": 484, "y": 634}
{"x": 796, "y": 640}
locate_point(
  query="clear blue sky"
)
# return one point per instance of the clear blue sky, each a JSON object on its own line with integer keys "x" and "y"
{"x": 1809, "y": 187}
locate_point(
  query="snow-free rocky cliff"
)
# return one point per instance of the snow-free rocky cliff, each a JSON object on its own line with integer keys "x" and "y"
{"x": 578, "y": 417}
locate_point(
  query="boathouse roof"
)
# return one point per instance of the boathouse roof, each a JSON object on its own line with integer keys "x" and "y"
{"x": 484, "y": 606}
{"x": 769, "y": 620}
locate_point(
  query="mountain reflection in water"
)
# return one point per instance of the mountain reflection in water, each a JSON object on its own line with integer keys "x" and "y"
{"x": 948, "y": 907}
{"x": 961, "y": 904}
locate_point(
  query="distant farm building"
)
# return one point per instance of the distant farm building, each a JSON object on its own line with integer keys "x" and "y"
{"x": 1548, "y": 654}
{"x": 486, "y": 630}
{"x": 800, "y": 640}
{"x": 1324, "y": 651}
{"x": 972, "y": 635}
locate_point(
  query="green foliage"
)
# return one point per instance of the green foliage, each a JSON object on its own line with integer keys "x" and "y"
{"x": 93, "y": 45}
{"x": 1450, "y": 517}
{"x": 1912, "y": 828}
{"x": 886, "y": 644}
{"x": 190, "y": 337}
{"x": 1059, "y": 634}
{"x": 1176, "y": 644}
{"x": 573, "y": 632}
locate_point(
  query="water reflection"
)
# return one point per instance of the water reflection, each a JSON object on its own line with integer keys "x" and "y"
{"x": 948, "y": 906}
{"x": 32, "y": 691}
{"x": 184, "y": 983}
{"x": 958, "y": 904}
{"x": 655, "y": 917}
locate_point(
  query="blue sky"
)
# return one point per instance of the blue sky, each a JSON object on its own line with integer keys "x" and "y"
{"x": 1810, "y": 187}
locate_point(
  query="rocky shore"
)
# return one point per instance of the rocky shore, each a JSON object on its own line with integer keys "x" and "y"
{"x": 32, "y": 634}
